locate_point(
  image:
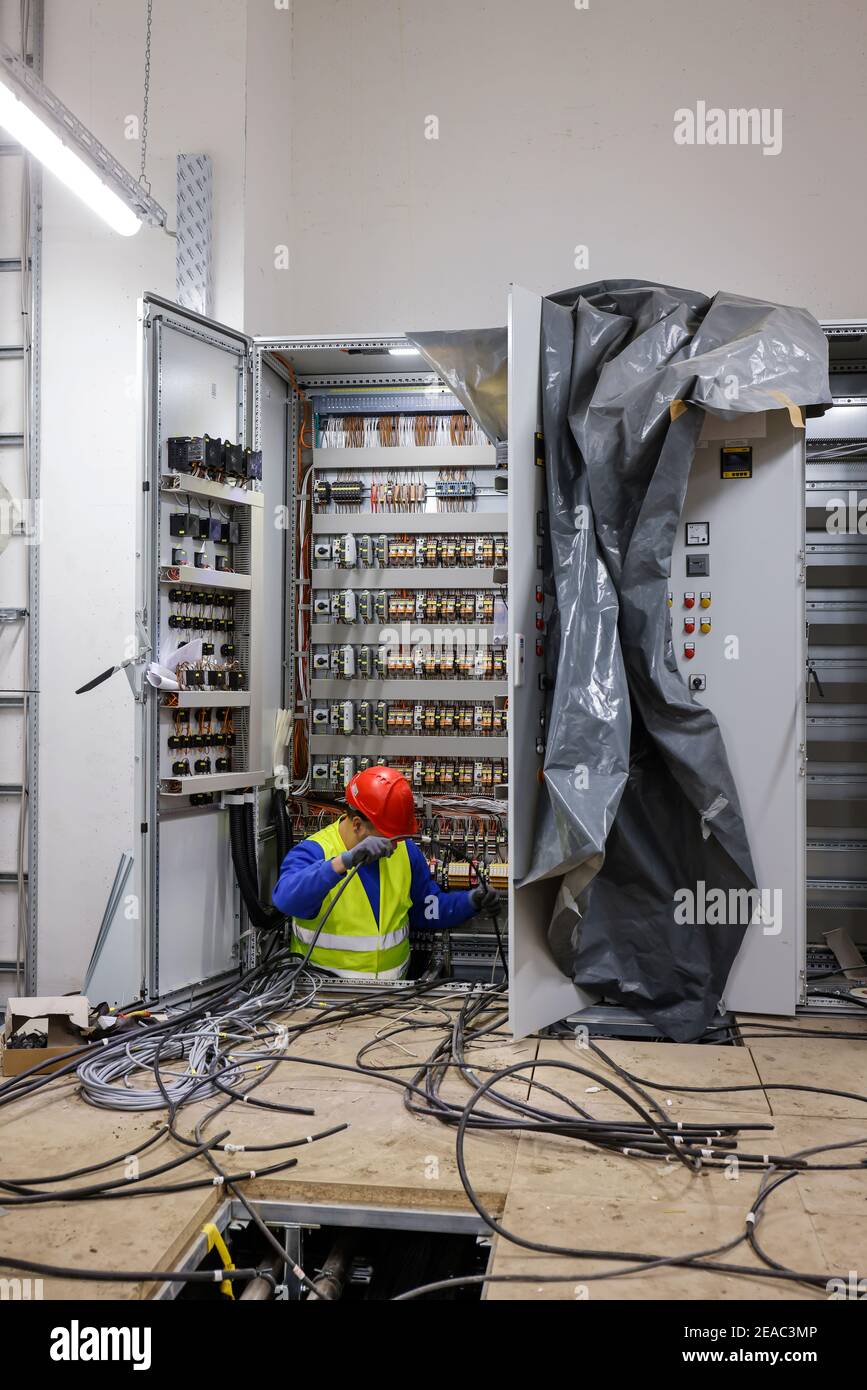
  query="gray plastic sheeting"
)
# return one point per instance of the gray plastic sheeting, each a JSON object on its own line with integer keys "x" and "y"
{"x": 638, "y": 797}
{"x": 475, "y": 364}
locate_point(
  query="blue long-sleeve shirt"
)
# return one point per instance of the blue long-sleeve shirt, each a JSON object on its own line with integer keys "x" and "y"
{"x": 306, "y": 876}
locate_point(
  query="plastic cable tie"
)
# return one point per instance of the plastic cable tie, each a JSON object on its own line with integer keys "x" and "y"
{"x": 677, "y": 1139}
{"x": 751, "y": 1218}
{"x": 707, "y": 1153}
{"x": 309, "y": 1138}
{"x": 218, "y": 1181}
{"x": 233, "y": 1148}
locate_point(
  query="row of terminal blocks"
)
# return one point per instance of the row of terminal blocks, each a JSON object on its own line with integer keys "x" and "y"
{"x": 349, "y": 492}
{"x": 461, "y": 776}
{"x": 462, "y": 873}
{"x": 417, "y": 662}
{"x": 410, "y": 717}
{"x": 383, "y": 605}
{"x": 408, "y": 552}
{"x": 473, "y": 837}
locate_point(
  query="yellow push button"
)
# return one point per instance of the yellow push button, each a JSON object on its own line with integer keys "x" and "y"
{"x": 704, "y": 601}
{"x": 704, "y": 625}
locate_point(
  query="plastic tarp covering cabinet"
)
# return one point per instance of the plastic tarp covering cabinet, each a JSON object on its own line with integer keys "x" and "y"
{"x": 474, "y": 363}
{"x": 638, "y": 797}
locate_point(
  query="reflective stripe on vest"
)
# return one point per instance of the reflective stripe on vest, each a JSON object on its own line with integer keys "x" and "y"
{"x": 353, "y": 941}
{"x": 397, "y": 974}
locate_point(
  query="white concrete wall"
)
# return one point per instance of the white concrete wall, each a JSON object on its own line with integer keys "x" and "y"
{"x": 92, "y": 279}
{"x": 267, "y": 279}
{"x": 556, "y": 129}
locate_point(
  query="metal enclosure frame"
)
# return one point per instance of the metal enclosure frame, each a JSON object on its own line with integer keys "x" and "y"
{"x": 836, "y": 579}
{"x": 265, "y": 356}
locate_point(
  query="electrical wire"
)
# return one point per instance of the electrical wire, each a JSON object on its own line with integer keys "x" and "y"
{"x": 227, "y": 1046}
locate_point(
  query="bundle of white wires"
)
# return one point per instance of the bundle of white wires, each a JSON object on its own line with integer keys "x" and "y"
{"x": 118, "y": 1081}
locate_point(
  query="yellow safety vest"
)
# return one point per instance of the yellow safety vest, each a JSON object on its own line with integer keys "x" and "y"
{"x": 353, "y": 942}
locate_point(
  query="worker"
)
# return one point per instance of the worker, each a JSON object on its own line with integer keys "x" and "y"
{"x": 367, "y": 931}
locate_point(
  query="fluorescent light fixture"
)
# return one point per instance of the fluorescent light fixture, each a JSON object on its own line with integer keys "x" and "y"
{"x": 39, "y": 121}
{"x": 403, "y": 352}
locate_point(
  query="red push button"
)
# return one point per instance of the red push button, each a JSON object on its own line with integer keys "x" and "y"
{"x": 689, "y": 600}
{"x": 689, "y": 624}
{"x": 689, "y": 650}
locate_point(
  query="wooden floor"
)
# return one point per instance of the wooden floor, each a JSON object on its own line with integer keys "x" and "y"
{"x": 546, "y": 1188}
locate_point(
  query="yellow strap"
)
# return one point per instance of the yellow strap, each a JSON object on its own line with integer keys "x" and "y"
{"x": 216, "y": 1240}
{"x": 676, "y": 409}
{"x": 796, "y": 415}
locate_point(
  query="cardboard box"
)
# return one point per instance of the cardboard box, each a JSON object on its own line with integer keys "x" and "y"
{"x": 60, "y": 1016}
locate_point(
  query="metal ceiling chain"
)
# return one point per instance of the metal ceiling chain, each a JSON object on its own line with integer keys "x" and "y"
{"x": 143, "y": 179}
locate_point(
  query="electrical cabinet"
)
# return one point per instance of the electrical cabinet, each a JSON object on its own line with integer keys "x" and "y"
{"x": 738, "y": 629}
{"x": 836, "y": 552}
{"x": 356, "y": 580}
{"x": 382, "y": 572}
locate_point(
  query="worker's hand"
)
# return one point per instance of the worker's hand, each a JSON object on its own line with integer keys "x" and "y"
{"x": 367, "y": 850}
{"x": 485, "y": 900}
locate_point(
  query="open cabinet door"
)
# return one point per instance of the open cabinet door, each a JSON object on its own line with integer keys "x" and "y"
{"x": 194, "y": 380}
{"x": 539, "y": 992}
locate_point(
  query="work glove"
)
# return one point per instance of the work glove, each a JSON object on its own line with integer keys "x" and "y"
{"x": 485, "y": 900}
{"x": 367, "y": 850}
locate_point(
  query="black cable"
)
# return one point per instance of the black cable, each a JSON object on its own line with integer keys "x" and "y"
{"x": 480, "y": 1015}
{"x": 263, "y": 918}
{"x": 282, "y": 824}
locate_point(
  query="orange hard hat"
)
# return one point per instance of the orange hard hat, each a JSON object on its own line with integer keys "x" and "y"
{"x": 383, "y": 796}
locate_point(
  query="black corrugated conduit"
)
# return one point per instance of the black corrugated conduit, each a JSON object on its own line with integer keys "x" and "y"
{"x": 241, "y": 836}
